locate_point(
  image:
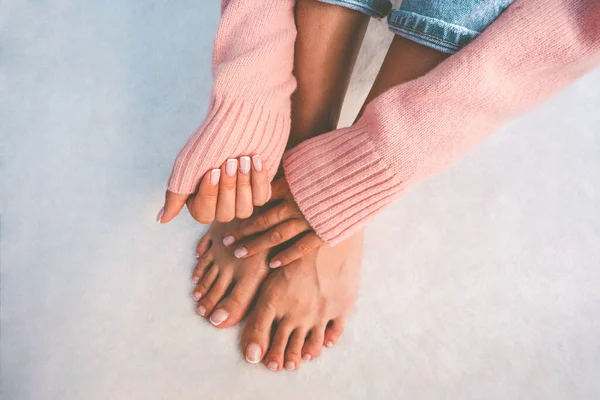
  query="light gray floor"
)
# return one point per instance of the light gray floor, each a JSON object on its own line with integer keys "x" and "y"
{"x": 482, "y": 283}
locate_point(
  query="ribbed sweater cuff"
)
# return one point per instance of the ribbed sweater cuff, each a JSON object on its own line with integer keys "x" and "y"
{"x": 339, "y": 181}
{"x": 232, "y": 128}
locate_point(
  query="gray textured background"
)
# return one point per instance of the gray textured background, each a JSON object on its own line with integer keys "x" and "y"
{"x": 482, "y": 283}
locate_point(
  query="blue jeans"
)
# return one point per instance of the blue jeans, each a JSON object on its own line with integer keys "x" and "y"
{"x": 444, "y": 25}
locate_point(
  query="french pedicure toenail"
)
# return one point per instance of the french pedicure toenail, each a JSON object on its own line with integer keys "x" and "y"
{"x": 245, "y": 164}
{"x": 231, "y": 167}
{"x": 218, "y": 317}
{"x": 228, "y": 240}
{"x": 307, "y": 357}
{"x": 257, "y": 161}
{"x": 272, "y": 365}
{"x": 197, "y": 295}
{"x": 290, "y": 365}
{"x": 195, "y": 279}
{"x": 253, "y": 353}
{"x": 160, "y": 215}
{"x": 215, "y": 174}
{"x": 201, "y": 310}
{"x": 275, "y": 264}
{"x": 329, "y": 344}
{"x": 240, "y": 252}
{"x": 197, "y": 256}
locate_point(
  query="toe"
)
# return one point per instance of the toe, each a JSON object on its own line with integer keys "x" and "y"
{"x": 257, "y": 334}
{"x": 314, "y": 343}
{"x": 294, "y": 350}
{"x": 274, "y": 357}
{"x": 333, "y": 332}
{"x": 206, "y": 283}
{"x": 203, "y": 245}
{"x": 236, "y": 304}
{"x": 207, "y": 303}
{"x": 204, "y": 262}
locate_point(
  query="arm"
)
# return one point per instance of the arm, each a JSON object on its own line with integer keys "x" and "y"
{"x": 250, "y": 105}
{"x": 340, "y": 180}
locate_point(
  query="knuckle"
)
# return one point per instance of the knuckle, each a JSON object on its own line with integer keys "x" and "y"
{"x": 276, "y": 236}
{"x": 304, "y": 248}
{"x": 228, "y": 186}
{"x": 259, "y": 222}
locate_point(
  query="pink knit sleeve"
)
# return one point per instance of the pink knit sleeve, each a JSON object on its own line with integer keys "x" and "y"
{"x": 250, "y": 104}
{"x": 535, "y": 48}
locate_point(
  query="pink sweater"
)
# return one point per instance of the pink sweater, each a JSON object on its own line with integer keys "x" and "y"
{"x": 340, "y": 180}
{"x": 536, "y": 48}
{"x": 250, "y": 104}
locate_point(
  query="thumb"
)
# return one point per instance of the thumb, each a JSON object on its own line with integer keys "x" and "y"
{"x": 173, "y": 204}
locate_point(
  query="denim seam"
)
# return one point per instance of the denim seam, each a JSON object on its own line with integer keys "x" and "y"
{"x": 359, "y": 5}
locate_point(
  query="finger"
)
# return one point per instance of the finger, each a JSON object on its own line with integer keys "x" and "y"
{"x": 226, "y": 201}
{"x": 174, "y": 202}
{"x": 243, "y": 198}
{"x": 203, "y": 205}
{"x": 260, "y": 182}
{"x": 259, "y": 223}
{"x": 273, "y": 237}
{"x": 298, "y": 250}
{"x": 279, "y": 189}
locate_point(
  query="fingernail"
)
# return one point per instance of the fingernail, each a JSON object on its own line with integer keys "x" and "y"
{"x": 290, "y": 365}
{"x": 257, "y": 161}
{"x": 228, "y": 240}
{"x": 245, "y": 164}
{"x": 231, "y": 167}
{"x": 253, "y": 353}
{"x": 160, "y": 215}
{"x": 275, "y": 264}
{"x": 195, "y": 279}
{"x": 329, "y": 344}
{"x": 306, "y": 357}
{"x": 241, "y": 252}
{"x": 218, "y": 317}
{"x": 201, "y": 310}
{"x": 197, "y": 295}
{"x": 272, "y": 365}
{"x": 215, "y": 174}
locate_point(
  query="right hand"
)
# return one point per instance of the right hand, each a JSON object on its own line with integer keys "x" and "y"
{"x": 224, "y": 193}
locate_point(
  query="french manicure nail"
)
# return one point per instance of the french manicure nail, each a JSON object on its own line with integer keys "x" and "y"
{"x": 241, "y": 252}
{"x": 245, "y": 164}
{"x": 160, "y": 215}
{"x": 275, "y": 264}
{"x": 218, "y": 317}
{"x": 228, "y": 240}
{"x": 329, "y": 344}
{"x": 272, "y": 365}
{"x": 215, "y": 174}
{"x": 257, "y": 161}
{"x": 201, "y": 310}
{"x": 253, "y": 353}
{"x": 231, "y": 167}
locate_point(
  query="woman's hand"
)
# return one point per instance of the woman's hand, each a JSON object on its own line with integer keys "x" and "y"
{"x": 276, "y": 225}
{"x": 223, "y": 194}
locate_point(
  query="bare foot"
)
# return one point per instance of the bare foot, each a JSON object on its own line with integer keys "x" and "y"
{"x": 306, "y": 304}
{"x": 226, "y": 285}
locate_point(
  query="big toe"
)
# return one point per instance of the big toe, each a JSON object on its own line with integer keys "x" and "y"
{"x": 257, "y": 333}
{"x": 233, "y": 307}
{"x": 333, "y": 332}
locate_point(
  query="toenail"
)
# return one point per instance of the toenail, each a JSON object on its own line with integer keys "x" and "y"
{"x": 241, "y": 252}
{"x": 306, "y": 357}
{"x": 197, "y": 256}
{"x": 272, "y": 365}
{"x": 253, "y": 353}
{"x": 218, "y": 316}
{"x": 197, "y": 295}
{"x": 290, "y": 365}
{"x": 228, "y": 240}
{"x": 195, "y": 279}
{"x": 329, "y": 344}
{"x": 201, "y": 310}
{"x": 160, "y": 215}
{"x": 275, "y": 264}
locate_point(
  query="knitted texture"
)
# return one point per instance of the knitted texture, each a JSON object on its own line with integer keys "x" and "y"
{"x": 250, "y": 104}
{"x": 340, "y": 180}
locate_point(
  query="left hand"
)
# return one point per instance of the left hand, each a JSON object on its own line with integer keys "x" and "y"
{"x": 276, "y": 225}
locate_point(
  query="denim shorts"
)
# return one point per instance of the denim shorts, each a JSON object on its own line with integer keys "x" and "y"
{"x": 444, "y": 25}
